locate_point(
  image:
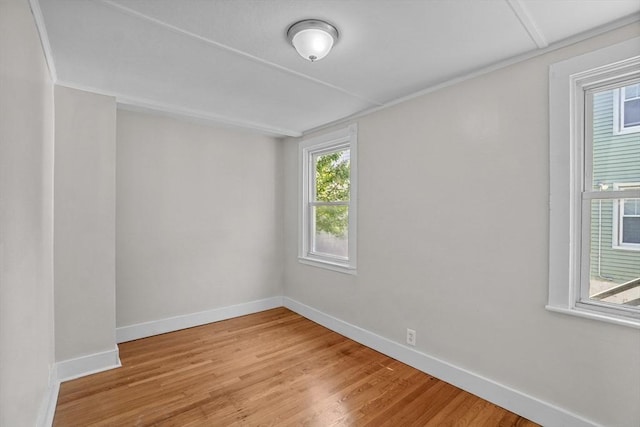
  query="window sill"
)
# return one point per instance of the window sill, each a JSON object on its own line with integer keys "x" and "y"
{"x": 327, "y": 265}
{"x": 589, "y": 314}
{"x": 627, "y": 131}
{"x": 635, "y": 248}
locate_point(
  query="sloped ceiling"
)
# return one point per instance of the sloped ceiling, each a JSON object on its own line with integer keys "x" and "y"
{"x": 230, "y": 61}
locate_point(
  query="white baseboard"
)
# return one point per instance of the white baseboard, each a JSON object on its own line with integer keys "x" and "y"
{"x": 536, "y": 410}
{"x": 87, "y": 365}
{"x": 513, "y": 400}
{"x": 156, "y": 327}
{"x": 68, "y": 370}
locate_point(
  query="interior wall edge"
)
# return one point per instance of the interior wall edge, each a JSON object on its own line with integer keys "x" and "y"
{"x": 50, "y": 400}
{"x": 38, "y": 18}
{"x": 513, "y": 400}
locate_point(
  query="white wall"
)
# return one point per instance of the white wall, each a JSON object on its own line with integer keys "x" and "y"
{"x": 453, "y": 242}
{"x": 84, "y": 246}
{"x": 26, "y": 218}
{"x": 452, "y": 231}
{"x": 199, "y": 222}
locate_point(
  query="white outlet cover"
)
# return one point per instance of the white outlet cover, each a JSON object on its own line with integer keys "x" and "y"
{"x": 411, "y": 336}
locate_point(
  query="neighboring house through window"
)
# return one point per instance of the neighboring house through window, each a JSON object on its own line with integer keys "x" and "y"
{"x": 626, "y": 229}
{"x": 328, "y": 167}
{"x": 627, "y": 109}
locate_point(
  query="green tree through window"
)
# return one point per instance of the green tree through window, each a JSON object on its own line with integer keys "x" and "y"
{"x": 332, "y": 185}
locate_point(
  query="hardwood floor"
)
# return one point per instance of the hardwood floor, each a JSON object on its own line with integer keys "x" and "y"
{"x": 271, "y": 368}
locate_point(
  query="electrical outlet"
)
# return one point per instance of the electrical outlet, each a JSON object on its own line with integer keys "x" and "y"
{"x": 411, "y": 337}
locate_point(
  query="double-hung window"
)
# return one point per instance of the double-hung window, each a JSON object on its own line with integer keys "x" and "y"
{"x": 594, "y": 261}
{"x": 328, "y": 189}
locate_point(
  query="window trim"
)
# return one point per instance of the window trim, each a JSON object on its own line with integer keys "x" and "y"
{"x": 618, "y": 215}
{"x": 567, "y": 82}
{"x": 329, "y": 142}
{"x": 618, "y": 115}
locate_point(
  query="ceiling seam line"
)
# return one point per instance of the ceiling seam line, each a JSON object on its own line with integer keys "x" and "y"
{"x": 238, "y": 52}
{"x": 38, "y": 17}
{"x": 528, "y": 23}
{"x": 183, "y": 112}
{"x": 136, "y": 104}
{"x": 485, "y": 70}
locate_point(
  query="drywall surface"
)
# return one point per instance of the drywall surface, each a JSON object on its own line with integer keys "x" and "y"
{"x": 453, "y": 243}
{"x": 199, "y": 222}
{"x": 26, "y": 218}
{"x": 84, "y": 207}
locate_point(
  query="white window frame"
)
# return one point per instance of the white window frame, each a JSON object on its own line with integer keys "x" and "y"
{"x": 340, "y": 139}
{"x": 569, "y": 199}
{"x": 618, "y": 216}
{"x": 618, "y": 115}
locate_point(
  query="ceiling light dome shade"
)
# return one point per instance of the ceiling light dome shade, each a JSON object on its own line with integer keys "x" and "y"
{"x": 312, "y": 38}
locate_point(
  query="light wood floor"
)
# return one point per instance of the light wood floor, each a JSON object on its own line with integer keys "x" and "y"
{"x": 272, "y": 368}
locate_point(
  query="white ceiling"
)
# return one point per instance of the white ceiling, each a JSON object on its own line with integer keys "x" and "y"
{"x": 229, "y": 60}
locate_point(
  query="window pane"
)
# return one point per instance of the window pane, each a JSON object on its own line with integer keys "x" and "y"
{"x": 614, "y": 253}
{"x": 330, "y": 235}
{"x": 604, "y": 154}
{"x": 631, "y": 230}
{"x": 616, "y": 156}
{"x": 614, "y": 273}
{"x": 632, "y": 112}
{"x": 631, "y": 206}
{"x": 332, "y": 176}
{"x": 632, "y": 91}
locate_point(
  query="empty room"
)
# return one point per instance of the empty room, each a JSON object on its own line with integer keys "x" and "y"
{"x": 319, "y": 213}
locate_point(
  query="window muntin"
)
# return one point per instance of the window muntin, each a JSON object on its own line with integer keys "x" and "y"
{"x": 328, "y": 193}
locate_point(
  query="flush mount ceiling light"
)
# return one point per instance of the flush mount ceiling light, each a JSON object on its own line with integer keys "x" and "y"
{"x": 312, "y": 38}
